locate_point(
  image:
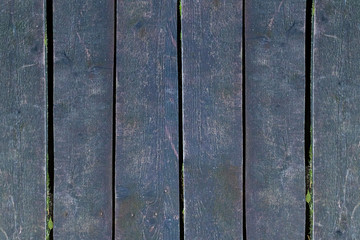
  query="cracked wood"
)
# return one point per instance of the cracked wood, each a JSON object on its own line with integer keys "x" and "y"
{"x": 275, "y": 114}
{"x": 212, "y": 117}
{"x": 22, "y": 120}
{"x": 83, "y": 97}
{"x": 147, "y": 130}
{"x": 336, "y": 129}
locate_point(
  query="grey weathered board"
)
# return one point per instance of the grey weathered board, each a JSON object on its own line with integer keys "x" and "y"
{"x": 83, "y": 95}
{"x": 147, "y": 132}
{"x": 336, "y": 119}
{"x": 275, "y": 114}
{"x": 212, "y": 119}
{"x": 22, "y": 120}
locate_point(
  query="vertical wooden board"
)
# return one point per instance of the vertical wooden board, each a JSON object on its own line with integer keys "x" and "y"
{"x": 336, "y": 103}
{"x": 275, "y": 114}
{"x": 147, "y": 152}
{"x": 83, "y": 95}
{"x": 22, "y": 120}
{"x": 212, "y": 119}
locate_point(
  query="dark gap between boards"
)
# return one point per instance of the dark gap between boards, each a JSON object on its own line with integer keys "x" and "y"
{"x": 180, "y": 113}
{"x": 308, "y": 128}
{"x": 50, "y": 122}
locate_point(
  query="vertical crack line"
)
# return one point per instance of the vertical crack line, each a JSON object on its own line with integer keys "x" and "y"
{"x": 50, "y": 116}
{"x": 180, "y": 118}
{"x": 244, "y": 118}
{"x": 308, "y": 129}
{"x": 114, "y": 124}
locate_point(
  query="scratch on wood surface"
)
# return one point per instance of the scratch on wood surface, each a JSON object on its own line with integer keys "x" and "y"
{"x": 331, "y": 36}
{"x": 346, "y": 181}
{"x": 353, "y": 212}
{"x": 271, "y": 22}
{"x": 171, "y": 142}
{"x": 86, "y": 49}
{"x": 26, "y": 66}
{"x": 13, "y": 205}
{"x": 2, "y": 230}
{"x": 172, "y": 37}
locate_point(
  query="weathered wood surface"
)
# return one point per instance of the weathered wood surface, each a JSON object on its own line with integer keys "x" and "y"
{"x": 83, "y": 96}
{"x": 22, "y": 120}
{"x": 212, "y": 119}
{"x": 147, "y": 136}
{"x": 275, "y": 113}
{"x": 336, "y": 129}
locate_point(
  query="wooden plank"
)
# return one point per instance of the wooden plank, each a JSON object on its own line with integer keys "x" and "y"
{"x": 212, "y": 119}
{"x": 83, "y": 95}
{"x": 147, "y": 179}
{"x": 22, "y": 120}
{"x": 275, "y": 94}
{"x": 336, "y": 101}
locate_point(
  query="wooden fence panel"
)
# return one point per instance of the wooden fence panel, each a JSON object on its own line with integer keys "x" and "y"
{"x": 83, "y": 97}
{"x": 336, "y": 119}
{"x": 212, "y": 119}
{"x": 275, "y": 114}
{"x": 147, "y": 130}
{"x": 22, "y": 120}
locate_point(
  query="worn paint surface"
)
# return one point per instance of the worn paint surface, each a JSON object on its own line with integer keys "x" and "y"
{"x": 275, "y": 94}
{"x": 212, "y": 119}
{"x": 336, "y": 102}
{"x": 83, "y": 96}
{"x": 147, "y": 132}
{"x": 22, "y": 120}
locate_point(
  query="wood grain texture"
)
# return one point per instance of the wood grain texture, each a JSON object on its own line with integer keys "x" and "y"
{"x": 336, "y": 129}
{"x": 22, "y": 120}
{"x": 275, "y": 113}
{"x": 147, "y": 152}
{"x": 83, "y": 95}
{"x": 212, "y": 119}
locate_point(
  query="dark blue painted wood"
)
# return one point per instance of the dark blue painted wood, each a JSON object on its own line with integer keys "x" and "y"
{"x": 147, "y": 136}
{"x": 275, "y": 114}
{"x": 336, "y": 129}
{"x": 212, "y": 119}
{"x": 83, "y": 96}
{"x": 22, "y": 120}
